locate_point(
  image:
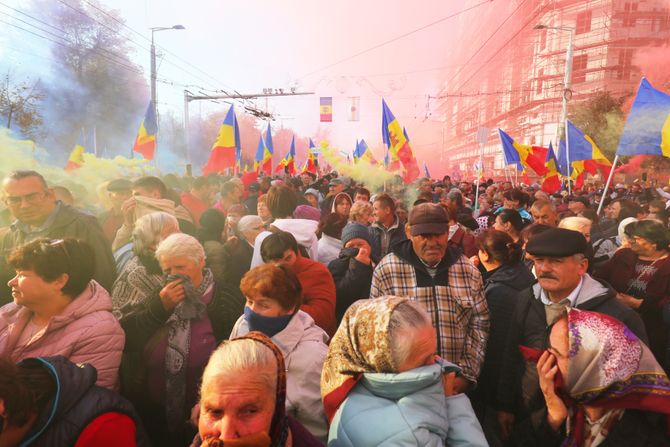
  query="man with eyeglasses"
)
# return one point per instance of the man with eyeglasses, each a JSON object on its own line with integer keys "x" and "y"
{"x": 38, "y": 214}
{"x": 560, "y": 266}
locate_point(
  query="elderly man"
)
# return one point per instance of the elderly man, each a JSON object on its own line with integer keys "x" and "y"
{"x": 560, "y": 266}
{"x": 38, "y": 214}
{"x": 118, "y": 191}
{"x": 544, "y": 212}
{"x": 449, "y": 286}
{"x": 59, "y": 310}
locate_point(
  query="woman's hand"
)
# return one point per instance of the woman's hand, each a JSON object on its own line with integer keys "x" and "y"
{"x": 547, "y": 368}
{"x": 172, "y": 294}
{"x": 628, "y": 300}
{"x": 128, "y": 212}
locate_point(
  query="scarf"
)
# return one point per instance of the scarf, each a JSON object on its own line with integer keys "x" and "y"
{"x": 279, "y": 429}
{"x": 179, "y": 344}
{"x": 361, "y": 344}
{"x": 609, "y": 367}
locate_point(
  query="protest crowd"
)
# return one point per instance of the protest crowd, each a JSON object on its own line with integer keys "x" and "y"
{"x": 308, "y": 310}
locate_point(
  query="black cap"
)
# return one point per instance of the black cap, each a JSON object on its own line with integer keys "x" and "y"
{"x": 120, "y": 184}
{"x": 557, "y": 243}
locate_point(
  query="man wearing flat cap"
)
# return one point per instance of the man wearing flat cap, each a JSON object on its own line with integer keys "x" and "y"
{"x": 426, "y": 269}
{"x": 560, "y": 266}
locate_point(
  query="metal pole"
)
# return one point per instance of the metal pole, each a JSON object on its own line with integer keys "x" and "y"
{"x": 480, "y": 174}
{"x": 153, "y": 74}
{"x": 567, "y": 157}
{"x": 187, "y": 143}
{"x": 607, "y": 185}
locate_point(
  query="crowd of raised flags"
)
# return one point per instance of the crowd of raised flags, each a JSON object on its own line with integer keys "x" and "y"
{"x": 647, "y": 131}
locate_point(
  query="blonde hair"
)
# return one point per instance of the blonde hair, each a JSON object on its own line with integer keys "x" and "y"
{"x": 575, "y": 223}
{"x": 358, "y": 209}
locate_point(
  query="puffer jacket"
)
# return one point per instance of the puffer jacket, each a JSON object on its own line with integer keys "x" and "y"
{"x": 405, "y": 409}
{"x": 85, "y": 332}
{"x": 329, "y": 249}
{"x": 303, "y": 344}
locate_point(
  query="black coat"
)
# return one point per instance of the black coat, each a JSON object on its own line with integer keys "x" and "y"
{"x": 502, "y": 287}
{"x": 352, "y": 282}
{"x": 520, "y": 393}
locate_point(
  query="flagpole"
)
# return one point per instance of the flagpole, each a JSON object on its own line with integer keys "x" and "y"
{"x": 567, "y": 156}
{"x": 480, "y": 174}
{"x": 607, "y": 184}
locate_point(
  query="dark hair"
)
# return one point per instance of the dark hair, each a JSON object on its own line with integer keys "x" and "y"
{"x": 152, "y": 184}
{"x": 517, "y": 195}
{"x": 25, "y": 389}
{"x": 25, "y": 173}
{"x": 200, "y": 182}
{"x": 332, "y": 224}
{"x": 228, "y": 187}
{"x": 591, "y": 215}
{"x": 52, "y": 258}
{"x": 281, "y": 201}
{"x": 276, "y": 282}
{"x": 534, "y": 229}
{"x": 654, "y": 232}
{"x": 628, "y": 208}
{"x": 386, "y": 201}
{"x": 212, "y": 221}
{"x": 499, "y": 246}
{"x": 513, "y": 217}
{"x": 274, "y": 246}
{"x": 419, "y": 202}
{"x": 363, "y": 191}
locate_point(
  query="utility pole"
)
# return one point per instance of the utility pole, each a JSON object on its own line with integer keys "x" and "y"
{"x": 188, "y": 97}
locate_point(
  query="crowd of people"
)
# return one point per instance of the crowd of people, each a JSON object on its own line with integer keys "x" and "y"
{"x": 308, "y": 310}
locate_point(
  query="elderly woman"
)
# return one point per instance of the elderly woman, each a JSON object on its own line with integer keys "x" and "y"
{"x": 382, "y": 383}
{"x": 361, "y": 212}
{"x": 170, "y": 336}
{"x": 601, "y": 384}
{"x": 641, "y": 276}
{"x": 242, "y": 398}
{"x": 274, "y": 295}
{"x": 141, "y": 275}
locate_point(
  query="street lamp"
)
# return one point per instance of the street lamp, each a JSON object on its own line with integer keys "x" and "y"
{"x": 153, "y": 61}
{"x": 567, "y": 93}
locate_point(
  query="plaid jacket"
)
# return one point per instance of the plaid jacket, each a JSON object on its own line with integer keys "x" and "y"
{"x": 454, "y": 299}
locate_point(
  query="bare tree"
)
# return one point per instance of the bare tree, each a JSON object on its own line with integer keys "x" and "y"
{"x": 19, "y": 105}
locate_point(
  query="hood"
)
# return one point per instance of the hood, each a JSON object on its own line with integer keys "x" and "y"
{"x": 332, "y": 207}
{"x": 404, "y": 250}
{"x": 516, "y": 276}
{"x": 304, "y": 230}
{"x": 395, "y": 386}
{"x": 72, "y": 382}
{"x": 93, "y": 299}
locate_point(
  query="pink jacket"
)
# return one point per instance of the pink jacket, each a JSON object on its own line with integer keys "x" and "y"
{"x": 86, "y": 332}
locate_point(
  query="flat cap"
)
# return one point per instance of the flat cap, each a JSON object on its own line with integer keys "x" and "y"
{"x": 557, "y": 243}
{"x": 428, "y": 218}
{"x": 120, "y": 184}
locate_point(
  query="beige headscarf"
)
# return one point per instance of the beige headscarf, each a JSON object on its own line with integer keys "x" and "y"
{"x": 361, "y": 344}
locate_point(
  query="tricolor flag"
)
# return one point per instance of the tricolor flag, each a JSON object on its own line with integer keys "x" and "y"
{"x": 523, "y": 155}
{"x": 226, "y": 150}
{"x": 584, "y": 154}
{"x": 326, "y": 109}
{"x": 311, "y": 164}
{"x": 363, "y": 152}
{"x": 288, "y": 162}
{"x": 647, "y": 129}
{"x": 145, "y": 143}
{"x": 425, "y": 170}
{"x": 551, "y": 183}
{"x": 398, "y": 144}
{"x": 263, "y": 161}
{"x": 76, "y": 159}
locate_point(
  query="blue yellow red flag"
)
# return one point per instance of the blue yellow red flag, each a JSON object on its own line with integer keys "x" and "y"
{"x": 145, "y": 142}
{"x": 76, "y": 159}
{"x": 584, "y": 153}
{"x": 266, "y": 163}
{"x": 398, "y": 144}
{"x": 523, "y": 155}
{"x": 551, "y": 183}
{"x": 226, "y": 149}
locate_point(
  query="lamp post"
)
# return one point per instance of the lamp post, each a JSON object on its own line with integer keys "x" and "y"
{"x": 153, "y": 62}
{"x": 567, "y": 93}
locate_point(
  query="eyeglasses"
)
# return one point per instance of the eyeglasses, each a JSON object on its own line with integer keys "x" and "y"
{"x": 30, "y": 199}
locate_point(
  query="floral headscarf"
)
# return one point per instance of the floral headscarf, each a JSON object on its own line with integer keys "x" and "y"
{"x": 609, "y": 367}
{"x": 361, "y": 344}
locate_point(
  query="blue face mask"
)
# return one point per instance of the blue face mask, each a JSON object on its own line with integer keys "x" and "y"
{"x": 267, "y": 325}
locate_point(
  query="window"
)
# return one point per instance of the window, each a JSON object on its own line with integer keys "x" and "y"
{"x": 583, "y": 24}
{"x": 629, "y": 14}
{"x": 543, "y": 39}
{"x": 625, "y": 63}
{"x": 538, "y": 87}
{"x": 579, "y": 68}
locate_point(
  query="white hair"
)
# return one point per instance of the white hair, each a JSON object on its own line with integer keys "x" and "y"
{"x": 181, "y": 245}
{"x": 149, "y": 229}
{"x": 247, "y": 223}
{"x": 622, "y": 227}
{"x": 237, "y": 358}
{"x": 575, "y": 223}
{"x": 407, "y": 318}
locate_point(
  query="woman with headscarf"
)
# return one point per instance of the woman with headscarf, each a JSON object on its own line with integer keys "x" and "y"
{"x": 141, "y": 275}
{"x": 382, "y": 383}
{"x": 273, "y": 297}
{"x": 170, "y": 337}
{"x": 602, "y": 386}
{"x": 242, "y": 398}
